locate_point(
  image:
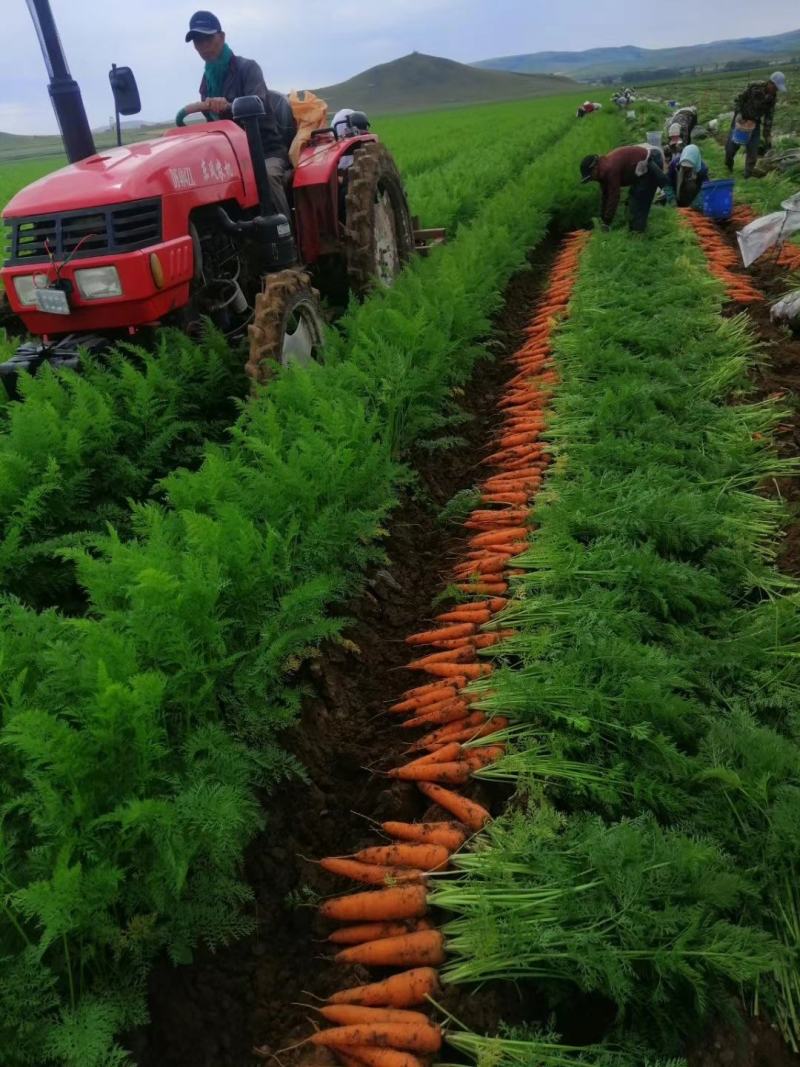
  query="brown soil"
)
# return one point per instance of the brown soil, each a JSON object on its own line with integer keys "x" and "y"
{"x": 746, "y": 1043}
{"x": 213, "y": 1012}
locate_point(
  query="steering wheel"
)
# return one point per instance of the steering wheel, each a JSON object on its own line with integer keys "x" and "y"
{"x": 180, "y": 118}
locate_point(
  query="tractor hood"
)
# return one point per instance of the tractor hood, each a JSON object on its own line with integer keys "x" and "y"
{"x": 180, "y": 162}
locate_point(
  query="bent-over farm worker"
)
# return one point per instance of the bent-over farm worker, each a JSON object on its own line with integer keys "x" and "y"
{"x": 754, "y": 107}
{"x": 685, "y": 118}
{"x": 227, "y": 76}
{"x": 687, "y": 174}
{"x": 586, "y": 108}
{"x": 637, "y": 167}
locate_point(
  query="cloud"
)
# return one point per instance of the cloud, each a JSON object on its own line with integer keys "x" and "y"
{"x": 307, "y": 43}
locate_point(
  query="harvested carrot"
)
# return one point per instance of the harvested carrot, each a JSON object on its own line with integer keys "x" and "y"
{"x": 469, "y": 670}
{"x": 413, "y": 1037}
{"x": 356, "y": 935}
{"x": 467, "y": 811}
{"x": 496, "y": 537}
{"x": 449, "y": 834}
{"x": 481, "y": 641}
{"x": 348, "y": 1060}
{"x": 494, "y": 576}
{"x": 448, "y": 752}
{"x": 450, "y": 732}
{"x": 436, "y": 695}
{"x": 501, "y": 517}
{"x": 451, "y": 712}
{"x": 478, "y": 589}
{"x": 442, "y": 634}
{"x": 442, "y": 718}
{"x": 372, "y": 1056}
{"x": 349, "y": 1014}
{"x": 478, "y": 616}
{"x": 399, "y": 991}
{"x": 396, "y": 902}
{"x": 400, "y": 854}
{"x": 482, "y": 757}
{"x": 441, "y": 706}
{"x": 423, "y": 949}
{"x": 436, "y": 657}
{"x": 454, "y": 773}
{"x": 505, "y": 498}
{"x": 488, "y": 565}
{"x": 474, "y": 733}
{"x": 371, "y": 874}
{"x": 421, "y": 690}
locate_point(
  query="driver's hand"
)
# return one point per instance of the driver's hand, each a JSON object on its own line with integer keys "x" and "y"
{"x": 217, "y": 104}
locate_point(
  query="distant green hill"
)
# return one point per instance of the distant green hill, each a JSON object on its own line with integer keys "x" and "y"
{"x": 609, "y": 62}
{"x": 418, "y": 82}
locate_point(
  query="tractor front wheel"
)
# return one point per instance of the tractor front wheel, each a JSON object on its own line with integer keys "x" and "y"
{"x": 287, "y": 327}
{"x": 379, "y": 236}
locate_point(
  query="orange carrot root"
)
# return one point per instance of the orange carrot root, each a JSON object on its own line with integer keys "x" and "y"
{"x": 396, "y": 902}
{"x": 399, "y": 991}
{"x": 422, "y": 949}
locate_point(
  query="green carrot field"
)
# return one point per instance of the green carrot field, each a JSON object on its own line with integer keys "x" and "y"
{"x": 556, "y": 476}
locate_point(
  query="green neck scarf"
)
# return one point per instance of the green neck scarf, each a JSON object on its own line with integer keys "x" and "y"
{"x": 216, "y": 71}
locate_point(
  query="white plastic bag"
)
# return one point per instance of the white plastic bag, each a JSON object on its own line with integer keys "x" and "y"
{"x": 786, "y": 309}
{"x": 763, "y": 233}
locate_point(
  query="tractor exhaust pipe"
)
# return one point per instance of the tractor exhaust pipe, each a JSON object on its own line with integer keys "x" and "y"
{"x": 64, "y": 91}
{"x": 247, "y": 110}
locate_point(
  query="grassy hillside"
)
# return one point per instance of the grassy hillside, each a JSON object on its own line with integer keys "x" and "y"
{"x": 418, "y": 82}
{"x": 605, "y": 62}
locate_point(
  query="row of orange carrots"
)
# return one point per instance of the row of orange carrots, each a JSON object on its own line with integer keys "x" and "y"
{"x": 388, "y": 925}
{"x": 722, "y": 259}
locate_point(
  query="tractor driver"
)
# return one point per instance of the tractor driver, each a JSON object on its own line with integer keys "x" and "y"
{"x": 227, "y": 76}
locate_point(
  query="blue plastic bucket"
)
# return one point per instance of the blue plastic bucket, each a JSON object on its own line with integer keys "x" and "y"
{"x": 718, "y": 198}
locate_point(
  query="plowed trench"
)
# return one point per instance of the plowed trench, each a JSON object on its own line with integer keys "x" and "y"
{"x": 213, "y": 1012}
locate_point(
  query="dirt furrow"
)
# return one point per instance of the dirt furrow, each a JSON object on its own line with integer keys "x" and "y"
{"x": 213, "y": 1012}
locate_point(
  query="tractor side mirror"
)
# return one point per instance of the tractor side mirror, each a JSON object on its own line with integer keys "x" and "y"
{"x": 126, "y": 94}
{"x": 125, "y": 90}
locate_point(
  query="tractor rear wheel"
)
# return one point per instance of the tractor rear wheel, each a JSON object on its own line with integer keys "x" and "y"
{"x": 379, "y": 236}
{"x": 288, "y": 325}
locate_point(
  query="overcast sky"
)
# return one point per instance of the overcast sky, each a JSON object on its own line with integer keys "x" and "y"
{"x": 307, "y": 43}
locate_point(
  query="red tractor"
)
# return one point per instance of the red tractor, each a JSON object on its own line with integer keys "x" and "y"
{"x": 175, "y": 229}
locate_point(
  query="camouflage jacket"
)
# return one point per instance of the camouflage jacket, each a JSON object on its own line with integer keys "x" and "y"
{"x": 757, "y": 104}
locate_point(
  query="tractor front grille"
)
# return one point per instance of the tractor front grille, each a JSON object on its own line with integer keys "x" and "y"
{"x": 77, "y": 234}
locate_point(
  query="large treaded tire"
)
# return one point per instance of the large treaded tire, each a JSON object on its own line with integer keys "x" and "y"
{"x": 374, "y": 185}
{"x": 286, "y": 299}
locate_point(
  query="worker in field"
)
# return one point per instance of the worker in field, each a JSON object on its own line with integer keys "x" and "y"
{"x": 586, "y": 108}
{"x": 687, "y": 174}
{"x": 753, "y": 113}
{"x": 227, "y": 76}
{"x": 679, "y": 128}
{"x": 639, "y": 168}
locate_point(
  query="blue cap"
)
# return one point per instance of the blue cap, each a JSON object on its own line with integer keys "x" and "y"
{"x": 204, "y": 24}
{"x": 778, "y": 79}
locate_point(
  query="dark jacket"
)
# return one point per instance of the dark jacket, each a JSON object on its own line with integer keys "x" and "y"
{"x": 618, "y": 169}
{"x": 244, "y": 78}
{"x": 757, "y": 104}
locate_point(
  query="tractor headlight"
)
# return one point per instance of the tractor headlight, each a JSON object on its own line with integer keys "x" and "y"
{"x": 25, "y": 288}
{"x": 95, "y": 283}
